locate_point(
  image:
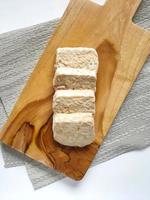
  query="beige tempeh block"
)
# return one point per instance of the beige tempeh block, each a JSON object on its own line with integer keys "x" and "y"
{"x": 73, "y": 101}
{"x": 76, "y": 129}
{"x": 79, "y": 57}
{"x": 71, "y": 78}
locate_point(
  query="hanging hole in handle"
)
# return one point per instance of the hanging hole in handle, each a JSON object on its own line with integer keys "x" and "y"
{"x": 100, "y": 2}
{"x": 142, "y": 16}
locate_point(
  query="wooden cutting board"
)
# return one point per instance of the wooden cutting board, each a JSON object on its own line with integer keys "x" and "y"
{"x": 122, "y": 48}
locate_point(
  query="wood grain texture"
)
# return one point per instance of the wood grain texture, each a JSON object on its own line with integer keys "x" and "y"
{"x": 122, "y": 47}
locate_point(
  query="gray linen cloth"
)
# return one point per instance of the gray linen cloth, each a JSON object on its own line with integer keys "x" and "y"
{"x": 20, "y": 51}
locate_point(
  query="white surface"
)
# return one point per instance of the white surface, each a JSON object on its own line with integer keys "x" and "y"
{"x": 15, "y": 14}
{"x": 124, "y": 178}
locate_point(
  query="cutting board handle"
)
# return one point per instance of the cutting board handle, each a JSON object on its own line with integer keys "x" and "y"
{"x": 127, "y": 6}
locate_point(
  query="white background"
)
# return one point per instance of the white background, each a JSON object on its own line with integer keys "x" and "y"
{"x": 126, "y": 177}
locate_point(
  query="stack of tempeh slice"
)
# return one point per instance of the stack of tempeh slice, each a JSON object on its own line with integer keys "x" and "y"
{"x": 74, "y": 99}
